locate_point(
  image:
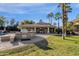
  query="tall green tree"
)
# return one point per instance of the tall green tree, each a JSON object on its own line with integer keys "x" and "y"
{"x": 40, "y": 21}
{"x": 58, "y": 17}
{"x": 17, "y": 23}
{"x": 27, "y": 22}
{"x": 50, "y": 16}
{"x": 65, "y": 9}
{"x": 6, "y": 22}
{"x": 2, "y": 20}
{"x": 12, "y": 22}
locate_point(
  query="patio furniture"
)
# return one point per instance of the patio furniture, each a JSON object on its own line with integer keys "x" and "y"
{"x": 8, "y": 37}
{"x": 12, "y": 37}
{"x": 17, "y": 36}
{"x": 4, "y": 38}
{"x": 31, "y": 34}
{"x": 24, "y": 36}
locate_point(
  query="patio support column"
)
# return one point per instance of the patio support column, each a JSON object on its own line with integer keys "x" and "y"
{"x": 48, "y": 30}
{"x": 34, "y": 29}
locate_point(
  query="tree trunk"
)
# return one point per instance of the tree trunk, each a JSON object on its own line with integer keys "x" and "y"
{"x": 58, "y": 26}
{"x": 64, "y": 20}
{"x": 51, "y": 20}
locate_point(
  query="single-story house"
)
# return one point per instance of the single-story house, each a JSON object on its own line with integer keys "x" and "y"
{"x": 76, "y": 25}
{"x": 42, "y": 28}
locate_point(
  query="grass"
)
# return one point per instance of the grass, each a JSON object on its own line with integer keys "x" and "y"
{"x": 55, "y": 47}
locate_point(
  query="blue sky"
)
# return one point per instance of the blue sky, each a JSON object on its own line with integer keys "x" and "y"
{"x": 33, "y": 11}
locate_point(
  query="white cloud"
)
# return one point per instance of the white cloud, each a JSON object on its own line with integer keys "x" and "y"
{"x": 21, "y": 4}
{"x": 22, "y": 8}
{"x": 11, "y": 10}
{"x": 16, "y": 8}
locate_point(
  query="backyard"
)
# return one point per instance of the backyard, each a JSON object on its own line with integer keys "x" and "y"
{"x": 51, "y": 46}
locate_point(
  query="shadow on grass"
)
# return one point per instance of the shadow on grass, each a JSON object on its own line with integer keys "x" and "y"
{"x": 57, "y": 34}
{"x": 43, "y": 44}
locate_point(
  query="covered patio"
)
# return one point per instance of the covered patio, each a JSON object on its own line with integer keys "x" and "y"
{"x": 39, "y": 28}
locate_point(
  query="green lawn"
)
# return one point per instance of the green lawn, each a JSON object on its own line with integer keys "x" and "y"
{"x": 52, "y": 46}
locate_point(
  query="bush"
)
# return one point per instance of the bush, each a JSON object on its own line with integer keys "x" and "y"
{"x": 58, "y": 31}
{"x": 1, "y": 28}
{"x": 12, "y": 28}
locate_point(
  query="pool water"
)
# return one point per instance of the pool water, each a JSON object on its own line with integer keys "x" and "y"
{"x": 1, "y": 33}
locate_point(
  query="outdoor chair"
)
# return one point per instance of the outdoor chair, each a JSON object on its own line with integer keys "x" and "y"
{"x": 18, "y": 35}
{"x": 27, "y": 36}
{"x": 4, "y": 38}
{"x": 31, "y": 34}
{"x": 12, "y": 37}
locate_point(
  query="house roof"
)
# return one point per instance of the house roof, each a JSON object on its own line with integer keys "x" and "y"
{"x": 76, "y": 22}
{"x": 37, "y": 25}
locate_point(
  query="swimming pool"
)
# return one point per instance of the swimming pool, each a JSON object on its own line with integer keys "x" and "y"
{"x": 2, "y": 33}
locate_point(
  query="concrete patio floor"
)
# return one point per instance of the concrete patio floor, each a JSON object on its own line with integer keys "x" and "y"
{"x": 18, "y": 43}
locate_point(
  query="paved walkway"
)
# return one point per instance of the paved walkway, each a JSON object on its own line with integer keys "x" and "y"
{"x": 9, "y": 45}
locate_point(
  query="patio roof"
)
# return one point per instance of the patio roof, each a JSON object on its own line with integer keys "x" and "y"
{"x": 37, "y": 25}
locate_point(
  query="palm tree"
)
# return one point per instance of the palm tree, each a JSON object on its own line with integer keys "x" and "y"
{"x": 50, "y": 16}
{"x": 65, "y": 9}
{"x": 57, "y": 17}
